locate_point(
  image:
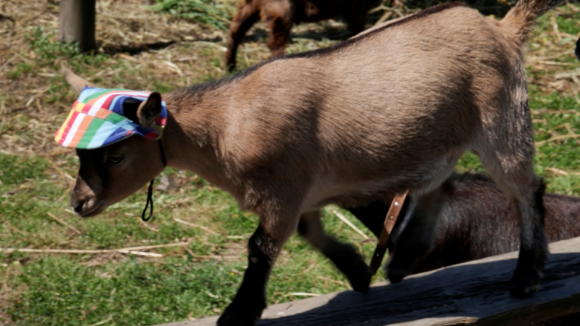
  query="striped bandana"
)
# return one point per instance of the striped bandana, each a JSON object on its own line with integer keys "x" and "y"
{"x": 97, "y": 119}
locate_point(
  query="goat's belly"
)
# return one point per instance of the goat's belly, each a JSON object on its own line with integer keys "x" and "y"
{"x": 346, "y": 193}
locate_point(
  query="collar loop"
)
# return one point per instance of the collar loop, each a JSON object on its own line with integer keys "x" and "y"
{"x": 150, "y": 190}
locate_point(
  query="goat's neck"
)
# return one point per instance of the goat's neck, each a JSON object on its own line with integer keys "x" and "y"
{"x": 191, "y": 138}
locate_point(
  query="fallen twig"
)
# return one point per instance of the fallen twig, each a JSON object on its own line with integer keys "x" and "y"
{"x": 78, "y": 251}
{"x": 177, "y": 244}
{"x": 64, "y": 223}
{"x": 147, "y": 226}
{"x": 15, "y": 229}
{"x": 103, "y": 321}
{"x": 140, "y": 253}
{"x": 303, "y": 294}
{"x": 542, "y": 111}
{"x": 571, "y": 131}
{"x": 555, "y": 28}
{"x": 130, "y": 250}
{"x": 189, "y": 251}
{"x": 237, "y": 236}
{"x": 567, "y": 74}
{"x": 195, "y": 226}
{"x": 554, "y": 63}
{"x": 216, "y": 257}
{"x": 333, "y": 281}
{"x": 383, "y": 18}
{"x": 556, "y": 171}
{"x": 309, "y": 268}
{"x": 561, "y": 172}
{"x": 560, "y": 137}
{"x": 345, "y": 220}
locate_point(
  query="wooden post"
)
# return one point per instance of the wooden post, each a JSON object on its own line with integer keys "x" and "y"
{"x": 77, "y": 23}
{"x": 473, "y": 293}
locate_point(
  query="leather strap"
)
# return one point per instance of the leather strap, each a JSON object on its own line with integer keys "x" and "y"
{"x": 390, "y": 220}
{"x": 149, "y": 202}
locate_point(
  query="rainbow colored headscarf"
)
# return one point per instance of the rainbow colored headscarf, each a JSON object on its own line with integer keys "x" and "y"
{"x": 97, "y": 119}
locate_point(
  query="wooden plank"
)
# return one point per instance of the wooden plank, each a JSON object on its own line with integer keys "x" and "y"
{"x": 474, "y": 293}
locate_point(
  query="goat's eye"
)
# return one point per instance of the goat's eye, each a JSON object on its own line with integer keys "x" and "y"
{"x": 115, "y": 159}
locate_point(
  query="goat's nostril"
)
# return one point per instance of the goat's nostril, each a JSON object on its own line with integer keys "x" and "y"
{"x": 78, "y": 207}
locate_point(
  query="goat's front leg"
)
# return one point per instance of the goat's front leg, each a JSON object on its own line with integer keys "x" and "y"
{"x": 263, "y": 249}
{"x": 344, "y": 256}
{"x": 418, "y": 235}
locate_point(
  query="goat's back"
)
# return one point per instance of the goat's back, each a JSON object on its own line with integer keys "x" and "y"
{"x": 405, "y": 99}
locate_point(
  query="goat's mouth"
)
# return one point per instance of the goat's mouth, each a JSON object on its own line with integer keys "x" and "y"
{"x": 95, "y": 210}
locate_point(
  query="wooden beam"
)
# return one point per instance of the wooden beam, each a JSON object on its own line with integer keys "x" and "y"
{"x": 474, "y": 293}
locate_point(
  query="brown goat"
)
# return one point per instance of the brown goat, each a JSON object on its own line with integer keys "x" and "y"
{"x": 280, "y": 15}
{"x": 477, "y": 221}
{"x": 389, "y": 110}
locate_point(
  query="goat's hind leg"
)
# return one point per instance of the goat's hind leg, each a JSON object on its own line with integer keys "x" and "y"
{"x": 246, "y": 16}
{"x": 344, "y": 256}
{"x": 519, "y": 182}
{"x": 533, "y": 244}
{"x": 278, "y": 15}
{"x": 505, "y": 145}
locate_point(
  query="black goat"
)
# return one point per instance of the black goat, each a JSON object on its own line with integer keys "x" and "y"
{"x": 479, "y": 221}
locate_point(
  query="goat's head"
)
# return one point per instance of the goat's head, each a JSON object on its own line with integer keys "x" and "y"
{"x": 111, "y": 173}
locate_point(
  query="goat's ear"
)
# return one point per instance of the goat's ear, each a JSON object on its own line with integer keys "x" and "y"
{"x": 76, "y": 82}
{"x": 149, "y": 110}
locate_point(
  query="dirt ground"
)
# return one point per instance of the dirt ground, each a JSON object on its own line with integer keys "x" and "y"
{"x": 128, "y": 26}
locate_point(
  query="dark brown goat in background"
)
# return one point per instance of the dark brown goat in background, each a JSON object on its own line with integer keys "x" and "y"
{"x": 478, "y": 221}
{"x": 280, "y": 15}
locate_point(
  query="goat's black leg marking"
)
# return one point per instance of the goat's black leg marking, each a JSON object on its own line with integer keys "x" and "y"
{"x": 246, "y": 16}
{"x": 351, "y": 264}
{"x": 344, "y": 256}
{"x": 250, "y": 300}
{"x": 418, "y": 235}
{"x": 533, "y": 246}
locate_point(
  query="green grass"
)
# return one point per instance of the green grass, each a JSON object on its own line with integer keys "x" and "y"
{"x": 21, "y": 68}
{"x": 73, "y": 290}
{"x": 64, "y": 292}
{"x": 67, "y": 289}
{"x": 214, "y": 14}
{"x": 50, "y": 51}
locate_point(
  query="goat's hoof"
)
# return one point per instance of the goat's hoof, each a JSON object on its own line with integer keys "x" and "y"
{"x": 351, "y": 264}
{"x": 362, "y": 281}
{"x": 239, "y": 315}
{"x": 524, "y": 284}
{"x": 524, "y": 291}
{"x": 396, "y": 275}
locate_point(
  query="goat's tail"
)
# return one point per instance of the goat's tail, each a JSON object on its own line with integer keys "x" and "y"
{"x": 519, "y": 21}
